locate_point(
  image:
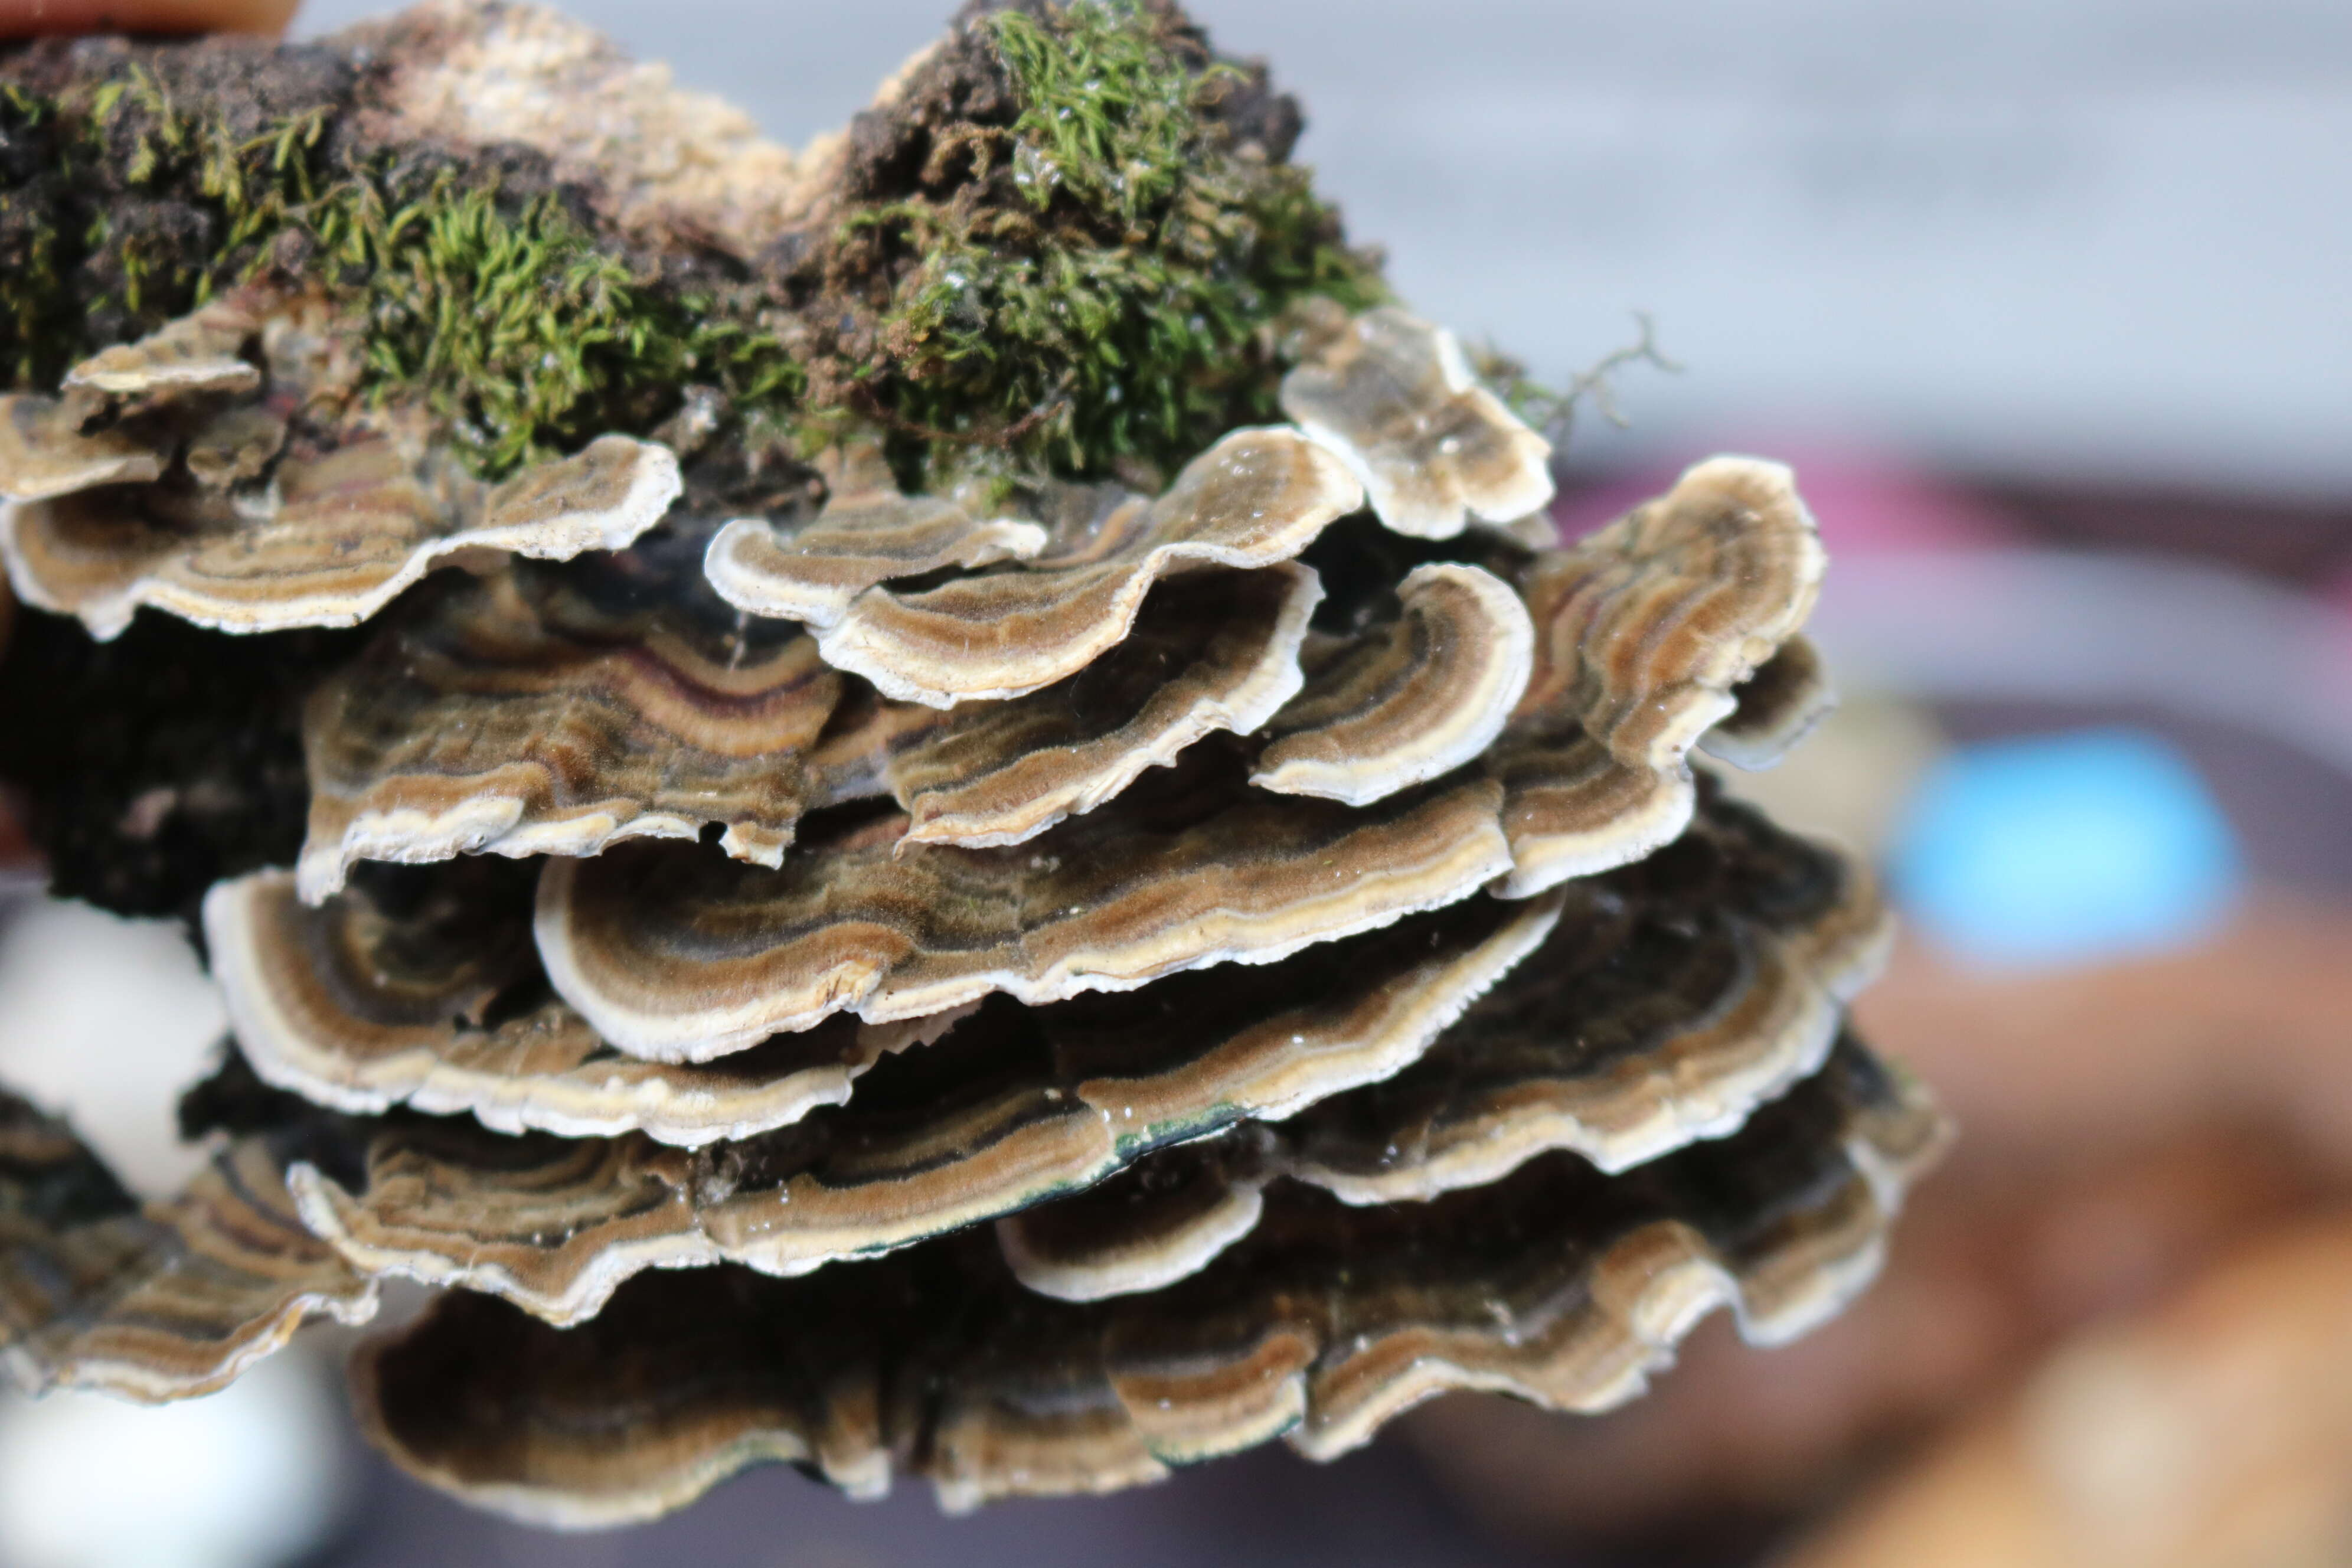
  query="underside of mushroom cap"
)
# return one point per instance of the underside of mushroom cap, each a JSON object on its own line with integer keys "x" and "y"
{"x": 1557, "y": 1284}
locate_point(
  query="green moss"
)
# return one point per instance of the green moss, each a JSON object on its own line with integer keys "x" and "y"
{"x": 35, "y": 302}
{"x": 518, "y": 327}
{"x": 1109, "y": 114}
{"x": 1113, "y": 310}
{"x": 518, "y": 324}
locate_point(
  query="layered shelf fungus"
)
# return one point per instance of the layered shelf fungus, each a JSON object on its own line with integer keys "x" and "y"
{"x": 967, "y": 716}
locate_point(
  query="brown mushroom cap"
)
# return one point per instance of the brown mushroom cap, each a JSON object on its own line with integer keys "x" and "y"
{"x": 1775, "y": 708}
{"x": 1017, "y": 1106}
{"x": 1162, "y": 1219}
{"x": 1557, "y": 1283}
{"x": 1644, "y": 630}
{"x": 96, "y": 530}
{"x": 1255, "y": 497}
{"x": 1211, "y": 651}
{"x": 1646, "y": 627}
{"x": 362, "y": 1007}
{"x": 868, "y": 534}
{"x": 677, "y": 956}
{"x": 202, "y": 352}
{"x": 157, "y": 1302}
{"x": 336, "y": 540}
{"x": 44, "y": 454}
{"x": 1396, "y": 400}
{"x": 1671, "y": 999}
{"x": 1659, "y": 1016}
{"x": 494, "y": 720}
{"x": 1424, "y": 699}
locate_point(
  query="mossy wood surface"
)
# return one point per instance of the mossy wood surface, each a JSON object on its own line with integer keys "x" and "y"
{"x": 1066, "y": 246}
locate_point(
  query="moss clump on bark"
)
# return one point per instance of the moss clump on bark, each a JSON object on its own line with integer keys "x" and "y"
{"x": 1084, "y": 258}
{"x": 35, "y": 301}
{"x": 1066, "y": 247}
{"x": 130, "y": 187}
{"x": 128, "y": 199}
{"x": 521, "y": 330}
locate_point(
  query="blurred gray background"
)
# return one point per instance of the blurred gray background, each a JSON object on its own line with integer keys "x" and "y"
{"x": 2101, "y": 238}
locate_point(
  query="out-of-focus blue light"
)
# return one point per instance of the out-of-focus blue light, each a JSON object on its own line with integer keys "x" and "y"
{"x": 2064, "y": 848}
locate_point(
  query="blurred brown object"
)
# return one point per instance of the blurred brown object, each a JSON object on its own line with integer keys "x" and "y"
{"x": 38, "y": 18}
{"x": 2214, "y": 1430}
{"x": 2123, "y": 1127}
{"x": 15, "y": 850}
{"x": 2251, "y": 1025}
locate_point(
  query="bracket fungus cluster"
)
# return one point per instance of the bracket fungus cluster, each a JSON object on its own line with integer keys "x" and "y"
{"x": 776, "y": 857}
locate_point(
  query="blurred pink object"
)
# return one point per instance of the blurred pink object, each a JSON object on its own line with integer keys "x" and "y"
{"x": 1864, "y": 502}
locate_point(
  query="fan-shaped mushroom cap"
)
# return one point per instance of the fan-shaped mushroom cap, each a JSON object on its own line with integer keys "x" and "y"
{"x": 1571, "y": 809}
{"x": 1255, "y": 497}
{"x": 1647, "y": 626}
{"x": 1671, "y": 999}
{"x": 1395, "y": 399}
{"x": 43, "y": 452}
{"x": 1210, "y": 651}
{"x": 234, "y": 447}
{"x": 95, "y": 529}
{"x": 1015, "y": 1107}
{"x": 363, "y": 1008}
{"x": 1675, "y": 996}
{"x": 493, "y": 721}
{"x": 1558, "y": 1284}
{"x": 335, "y": 539}
{"x": 1394, "y": 710}
{"x": 866, "y": 534}
{"x": 1162, "y": 1219}
{"x": 521, "y": 718}
{"x": 156, "y": 1302}
{"x": 1644, "y": 632}
{"x": 202, "y": 352}
{"x": 1774, "y": 708}
{"x": 679, "y": 956}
